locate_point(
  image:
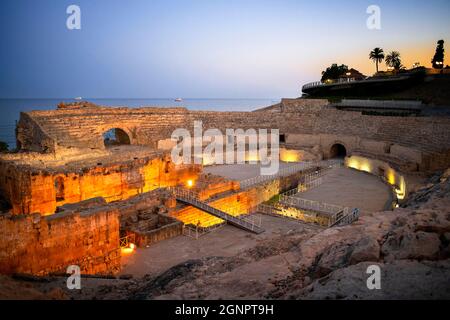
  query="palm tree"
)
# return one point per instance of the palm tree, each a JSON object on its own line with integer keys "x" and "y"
{"x": 393, "y": 60}
{"x": 377, "y": 55}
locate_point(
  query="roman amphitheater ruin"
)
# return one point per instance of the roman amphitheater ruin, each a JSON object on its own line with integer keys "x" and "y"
{"x": 78, "y": 198}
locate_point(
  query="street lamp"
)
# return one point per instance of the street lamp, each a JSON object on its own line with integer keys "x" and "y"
{"x": 348, "y": 74}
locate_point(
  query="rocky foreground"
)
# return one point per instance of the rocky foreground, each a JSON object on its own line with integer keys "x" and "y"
{"x": 411, "y": 245}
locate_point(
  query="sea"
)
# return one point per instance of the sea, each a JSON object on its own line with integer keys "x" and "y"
{"x": 10, "y": 108}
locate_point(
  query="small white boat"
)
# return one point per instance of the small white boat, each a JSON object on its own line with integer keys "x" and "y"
{"x": 78, "y": 98}
{"x": 178, "y": 99}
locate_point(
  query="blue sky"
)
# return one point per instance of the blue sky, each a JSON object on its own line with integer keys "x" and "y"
{"x": 199, "y": 48}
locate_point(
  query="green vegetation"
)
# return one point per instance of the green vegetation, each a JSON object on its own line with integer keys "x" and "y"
{"x": 334, "y": 72}
{"x": 438, "y": 59}
{"x": 4, "y": 147}
{"x": 377, "y": 55}
{"x": 394, "y": 60}
{"x": 273, "y": 200}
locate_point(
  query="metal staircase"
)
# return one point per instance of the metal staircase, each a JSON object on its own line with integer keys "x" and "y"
{"x": 347, "y": 219}
{"x": 190, "y": 198}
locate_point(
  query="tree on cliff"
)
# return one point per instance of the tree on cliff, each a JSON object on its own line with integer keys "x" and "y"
{"x": 334, "y": 72}
{"x": 394, "y": 60}
{"x": 438, "y": 59}
{"x": 377, "y": 55}
{"x": 3, "y": 146}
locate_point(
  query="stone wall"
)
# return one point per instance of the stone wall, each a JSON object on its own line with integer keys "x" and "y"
{"x": 32, "y": 190}
{"x": 164, "y": 228}
{"x": 406, "y": 143}
{"x": 39, "y": 245}
{"x": 149, "y": 126}
{"x": 32, "y": 137}
{"x": 381, "y": 169}
{"x": 236, "y": 203}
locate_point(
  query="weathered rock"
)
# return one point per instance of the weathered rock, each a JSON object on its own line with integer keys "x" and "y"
{"x": 335, "y": 257}
{"x": 445, "y": 175}
{"x": 162, "y": 281}
{"x": 87, "y": 238}
{"x": 134, "y": 218}
{"x": 401, "y": 279}
{"x": 407, "y": 245}
{"x": 366, "y": 249}
{"x": 446, "y": 237}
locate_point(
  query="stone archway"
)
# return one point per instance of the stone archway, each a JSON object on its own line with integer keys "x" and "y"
{"x": 115, "y": 137}
{"x": 338, "y": 151}
{"x": 59, "y": 188}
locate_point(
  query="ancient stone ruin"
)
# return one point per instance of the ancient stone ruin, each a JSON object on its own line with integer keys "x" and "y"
{"x": 89, "y": 181}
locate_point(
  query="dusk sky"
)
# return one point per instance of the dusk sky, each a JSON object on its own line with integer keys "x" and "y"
{"x": 202, "y": 49}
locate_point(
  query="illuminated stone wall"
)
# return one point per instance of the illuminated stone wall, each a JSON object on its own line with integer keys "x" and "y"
{"x": 31, "y": 190}
{"x": 405, "y": 143}
{"x": 158, "y": 229}
{"x": 236, "y": 203}
{"x": 39, "y": 245}
{"x": 383, "y": 170}
{"x": 303, "y": 215}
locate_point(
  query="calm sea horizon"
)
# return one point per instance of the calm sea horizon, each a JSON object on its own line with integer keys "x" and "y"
{"x": 10, "y": 108}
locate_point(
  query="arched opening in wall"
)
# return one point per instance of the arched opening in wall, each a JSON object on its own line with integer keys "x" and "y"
{"x": 115, "y": 137}
{"x": 338, "y": 151}
{"x": 167, "y": 167}
{"x": 59, "y": 188}
{"x": 5, "y": 205}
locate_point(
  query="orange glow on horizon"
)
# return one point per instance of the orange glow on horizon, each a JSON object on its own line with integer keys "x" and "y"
{"x": 410, "y": 54}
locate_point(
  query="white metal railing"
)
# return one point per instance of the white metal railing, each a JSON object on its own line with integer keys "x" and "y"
{"x": 266, "y": 209}
{"x": 344, "y": 217}
{"x": 303, "y": 187}
{"x": 196, "y": 232}
{"x": 290, "y": 193}
{"x": 282, "y": 172}
{"x": 338, "y": 215}
{"x": 329, "y": 82}
{"x": 312, "y": 84}
{"x": 381, "y": 103}
{"x": 348, "y": 217}
{"x": 346, "y": 80}
{"x": 125, "y": 242}
{"x": 315, "y": 179}
{"x": 310, "y": 204}
{"x": 244, "y": 184}
{"x": 192, "y": 198}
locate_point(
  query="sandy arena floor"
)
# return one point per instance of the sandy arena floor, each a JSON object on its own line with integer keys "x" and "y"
{"x": 224, "y": 242}
{"x": 351, "y": 188}
{"x": 342, "y": 186}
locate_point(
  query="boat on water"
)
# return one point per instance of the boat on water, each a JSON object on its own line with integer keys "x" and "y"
{"x": 78, "y": 98}
{"x": 178, "y": 99}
